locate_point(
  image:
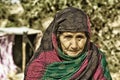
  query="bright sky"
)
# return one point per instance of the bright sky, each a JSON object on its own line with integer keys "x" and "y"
{"x": 15, "y": 1}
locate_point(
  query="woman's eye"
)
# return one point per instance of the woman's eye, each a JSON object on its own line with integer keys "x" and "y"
{"x": 68, "y": 37}
{"x": 80, "y": 36}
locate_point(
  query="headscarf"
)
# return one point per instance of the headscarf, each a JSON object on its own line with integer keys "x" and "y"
{"x": 50, "y": 63}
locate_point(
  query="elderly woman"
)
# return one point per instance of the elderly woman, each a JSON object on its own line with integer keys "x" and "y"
{"x": 66, "y": 52}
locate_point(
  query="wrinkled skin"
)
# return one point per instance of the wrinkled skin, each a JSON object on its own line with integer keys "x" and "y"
{"x": 73, "y": 43}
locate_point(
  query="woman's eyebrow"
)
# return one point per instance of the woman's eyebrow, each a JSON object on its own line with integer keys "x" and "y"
{"x": 68, "y": 36}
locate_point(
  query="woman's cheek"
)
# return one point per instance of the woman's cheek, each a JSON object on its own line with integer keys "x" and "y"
{"x": 82, "y": 43}
{"x": 66, "y": 44}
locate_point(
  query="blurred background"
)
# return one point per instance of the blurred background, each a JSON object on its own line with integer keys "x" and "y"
{"x": 37, "y": 14}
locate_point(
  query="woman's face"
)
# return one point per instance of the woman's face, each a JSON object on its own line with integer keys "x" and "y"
{"x": 73, "y": 43}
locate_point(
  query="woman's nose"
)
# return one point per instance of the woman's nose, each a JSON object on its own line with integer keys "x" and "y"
{"x": 74, "y": 44}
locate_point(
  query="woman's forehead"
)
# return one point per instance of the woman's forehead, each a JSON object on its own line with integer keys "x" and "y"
{"x": 73, "y": 33}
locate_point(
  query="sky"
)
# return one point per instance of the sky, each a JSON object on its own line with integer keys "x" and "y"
{"x": 15, "y": 1}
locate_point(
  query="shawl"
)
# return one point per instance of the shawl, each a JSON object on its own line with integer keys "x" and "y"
{"x": 50, "y": 63}
{"x": 7, "y": 64}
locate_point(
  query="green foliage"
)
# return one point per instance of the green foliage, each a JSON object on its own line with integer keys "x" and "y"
{"x": 3, "y": 11}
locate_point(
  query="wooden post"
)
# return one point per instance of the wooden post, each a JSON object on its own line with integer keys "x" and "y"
{"x": 23, "y": 52}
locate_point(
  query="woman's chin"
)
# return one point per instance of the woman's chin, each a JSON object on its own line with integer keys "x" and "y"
{"x": 73, "y": 54}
